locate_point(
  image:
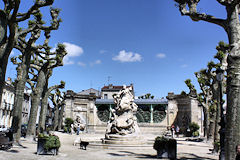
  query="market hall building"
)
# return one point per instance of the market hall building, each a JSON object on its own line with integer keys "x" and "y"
{"x": 154, "y": 116}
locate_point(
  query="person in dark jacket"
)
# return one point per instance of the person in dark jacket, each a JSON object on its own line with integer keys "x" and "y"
{"x": 238, "y": 152}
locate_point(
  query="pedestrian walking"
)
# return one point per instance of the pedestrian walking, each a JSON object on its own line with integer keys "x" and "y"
{"x": 172, "y": 130}
{"x": 177, "y": 131}
{"x": 238, "y": 152}
{"x": 78, "y": 129}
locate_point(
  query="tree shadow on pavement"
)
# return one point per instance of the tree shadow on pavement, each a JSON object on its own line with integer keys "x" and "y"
{"x": 13, "y": 151}
{"x": 132, "y": 154}
{"x": 190, "y": 156}
{"x": 186, "y": 156}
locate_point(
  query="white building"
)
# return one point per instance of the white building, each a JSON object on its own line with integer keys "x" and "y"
{"x": 7, "y": 104}
{"x": 107, "y": 92}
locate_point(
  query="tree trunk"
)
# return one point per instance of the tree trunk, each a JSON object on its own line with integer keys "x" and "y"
{"x": 35, "y": 102}
{"x": 60, "y": 121}
{"x": 206, "y": 122}
{"x": 56, "y": 115}
{"x": 232, "y": 134}
{"x": 217, "y": 115}
{"x": 211, "y": 129}
{"x": 217, "y": 101}
{"x": 17, "y": 111}
{"x": 3, "y": 61}
{"x": 43, "y": 112}
{"x": 5, "y": 50}
{"x": 22, "y": 74}
{"x": 2, "y": 80}
{"x": 217, "y": 127}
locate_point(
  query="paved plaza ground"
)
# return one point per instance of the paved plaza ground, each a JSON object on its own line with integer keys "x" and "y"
{"x": 185, "y": 150}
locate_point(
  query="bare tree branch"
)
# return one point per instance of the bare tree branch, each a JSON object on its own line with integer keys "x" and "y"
{"x": 194, "y": 15}
{"x": 38, "y": 4}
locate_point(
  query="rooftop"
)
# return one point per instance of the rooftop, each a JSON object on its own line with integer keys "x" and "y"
{"x": 137, "y": 101}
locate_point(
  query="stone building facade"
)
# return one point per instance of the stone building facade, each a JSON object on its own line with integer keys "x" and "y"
{"x": 107, "y": 92}
{"x": 154, "y": 115}
{"x": 186, "y": 110}
{"x": 26, "y": 105}
{"x": 7, "y": 102}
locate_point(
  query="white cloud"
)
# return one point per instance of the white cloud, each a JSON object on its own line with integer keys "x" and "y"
{"x": 96, "y": 62}
{"x": 81, "y": 64}
{"x": 161, "y": 55}
{"x": 72, "y": 51}
{"x": 184, "y": 66}
{"x": 124, "y": 56}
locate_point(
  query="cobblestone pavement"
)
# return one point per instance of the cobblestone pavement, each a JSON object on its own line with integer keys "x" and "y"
{"x": 185, "y": 150}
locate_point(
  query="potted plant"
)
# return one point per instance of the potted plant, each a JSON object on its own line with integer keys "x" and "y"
{"x": 48, "y": 144}
{"x": 165, "y": 147}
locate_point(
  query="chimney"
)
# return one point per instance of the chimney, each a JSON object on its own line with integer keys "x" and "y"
{"x": 110, "y": 86}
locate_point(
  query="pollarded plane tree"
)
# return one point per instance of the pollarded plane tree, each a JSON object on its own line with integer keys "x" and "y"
{"x": 146, "y": 96}
{"x": 42, "y": 65}
{"x": 44, "y": 105}
{"x": 10, "y": 19}
{"x": 62, "y": 111}
{"x": 221, "y": 56}
{"x": 58, "y": 101}
{"x": 209, "y": 98}
{"x": 232, "y": 27}
{"x": 205, "y": 98}
{"x": 27, "y": 46}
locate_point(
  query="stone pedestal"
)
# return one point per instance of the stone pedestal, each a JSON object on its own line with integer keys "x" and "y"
{"x": 130, "y": 139}
{"x": 122, "y": 127}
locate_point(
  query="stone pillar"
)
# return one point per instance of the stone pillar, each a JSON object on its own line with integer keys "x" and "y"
{"x": 91, "y": 114}
{"x": 172, "y": 108}
{"x": 196, "y": 114}
{"x": 110, "y": 113}
{"x": 151, "y": 113}
{"x": 69, "y": 104}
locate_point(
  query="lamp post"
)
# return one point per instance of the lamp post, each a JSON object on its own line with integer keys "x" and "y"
{"x": 219, "y": 78}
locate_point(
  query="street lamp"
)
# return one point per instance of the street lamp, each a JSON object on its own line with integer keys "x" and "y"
{"x": 219, "y": 78}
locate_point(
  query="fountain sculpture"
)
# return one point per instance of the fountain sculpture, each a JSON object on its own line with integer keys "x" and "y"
{"x": 122, "y": 127}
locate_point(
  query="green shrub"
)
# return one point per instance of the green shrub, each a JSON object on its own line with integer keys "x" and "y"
{"x": 52, "y": 141}
{"x": 67, "y": 126}
{"x": 195, "y": 134}
{"x": 216, "y": 145}
{"x": 68, "y": 122}
{"x": 161, "y": 142}
{"x": 193, "y": 127}
{"x": 65, "y": 129}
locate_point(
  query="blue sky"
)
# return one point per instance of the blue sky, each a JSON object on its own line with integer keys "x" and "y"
{"x": 144, "y": 42}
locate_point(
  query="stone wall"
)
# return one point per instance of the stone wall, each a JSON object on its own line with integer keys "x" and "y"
{"x": 188, "y": 110}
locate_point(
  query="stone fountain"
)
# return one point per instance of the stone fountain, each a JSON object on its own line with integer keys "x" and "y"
{"x": 122, "y": 127}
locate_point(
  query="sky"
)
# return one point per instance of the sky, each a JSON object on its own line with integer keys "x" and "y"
{"x": 144, "y": 42}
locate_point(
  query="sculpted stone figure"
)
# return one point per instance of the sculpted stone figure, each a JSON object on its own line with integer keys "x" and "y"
{"x": 78, "y": 124}
{"x": 123, "y": 120}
